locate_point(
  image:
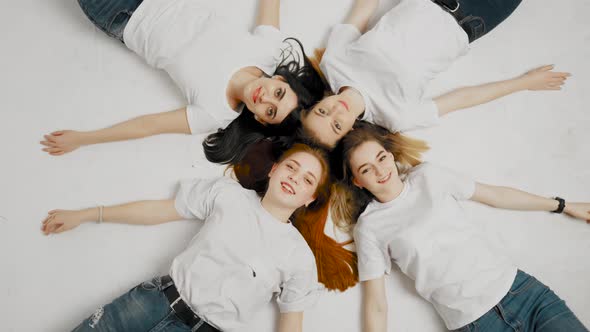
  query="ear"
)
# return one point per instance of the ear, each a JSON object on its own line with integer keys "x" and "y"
{"x": 272, "y": 170}
{"x": 356, "y": 183}
{"x": 279, "y": 77}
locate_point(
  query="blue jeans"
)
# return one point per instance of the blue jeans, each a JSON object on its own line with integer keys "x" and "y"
{"x": 143, "y": 308}
{"x": 528, "y": 306}
{"x": 110, "y": 16}
{"x": 482, "y": 16}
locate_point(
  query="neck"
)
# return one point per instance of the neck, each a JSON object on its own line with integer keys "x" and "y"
{"x": 280, "y": 213}
{"x": 355, "y": 99}
{"x": 392, "y": 191}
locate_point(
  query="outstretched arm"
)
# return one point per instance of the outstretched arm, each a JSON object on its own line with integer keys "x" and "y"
{"x": 374, "y": 305}
{"x": 514, "y": 199}
{"x": 268, "y": 13}
{"x": 361, "y": 13}
{"x": 64, "y": 141}
{"x": 541, "y": 78}
{"x": 135, "y": 213}
{"x": 291, "y": 322}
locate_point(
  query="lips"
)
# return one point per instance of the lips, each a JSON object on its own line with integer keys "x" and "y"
{"x": 287, "y": 188}
{"x": 343, "y": 104}
{"x": 256, "y": 94}
{"x": 385, "y": 179}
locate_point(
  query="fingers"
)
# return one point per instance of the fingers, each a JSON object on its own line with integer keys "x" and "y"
{"x": 53, "y": 150}
{"x": 48, "y": 143}
{"x": 49, "y": 138}
{"x": 563, "y": 75}
{"x": 60, "y": 229}
{"x": 57, "y": 153}
{"x": 57, "y": 133}
{"x": 544, "y": 68}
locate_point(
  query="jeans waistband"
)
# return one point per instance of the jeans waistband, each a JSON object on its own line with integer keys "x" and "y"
{"x": 182, "y": 310}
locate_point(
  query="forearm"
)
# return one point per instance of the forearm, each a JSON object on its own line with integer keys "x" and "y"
{"x": 374, "y": 318}
{"x": 134, "y": 213}
{"x": 142, "y": 126}
{"x": 291, "y": 322}
{"x": 268, "y": 13}
{"x": 512, "y": 199}
{"x": 374, "y": 305}
{"x": 475, "y": 95}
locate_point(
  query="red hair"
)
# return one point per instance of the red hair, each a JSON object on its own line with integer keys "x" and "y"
{"x": 336, "y": 266}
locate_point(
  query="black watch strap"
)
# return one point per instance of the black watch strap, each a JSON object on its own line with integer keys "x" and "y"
{"x": 561, "y": 205}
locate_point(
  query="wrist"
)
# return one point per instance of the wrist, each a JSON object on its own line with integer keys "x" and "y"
{"x": 89, "y": 215}
{"x": 521, "y": 83}
{"x": 561, "y": 205}
{"x": 84, "y": 138}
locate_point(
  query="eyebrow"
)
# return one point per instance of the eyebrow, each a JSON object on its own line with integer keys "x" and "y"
{"x": 284, "y": 91}
{"x": 308, "y": 172}
{"x": 377, "y": 157}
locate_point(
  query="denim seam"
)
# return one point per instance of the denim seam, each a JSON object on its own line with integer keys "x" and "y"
{"x": 164, "y": 322}
{"x": 500, "y": 311}
{"x": 552, "y": 318}
{"x": 96, "y": 24}
{"x": 528, "y": 284}
{"x": 110, "y": 25}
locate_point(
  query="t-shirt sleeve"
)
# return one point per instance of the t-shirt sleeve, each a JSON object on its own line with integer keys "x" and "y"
{"x": 373, "y": 259}
{"x": 269, "y": 33}
{"x": 301, "y": 289}
{"x": 195, "y": 198}
{"x": 417, "y": 114}
{"x": 341, "y": 34}
{"x": 459, "y": 185}
{"x": 201, "y": 121}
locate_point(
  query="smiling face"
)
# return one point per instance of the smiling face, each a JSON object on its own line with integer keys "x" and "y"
{"x": 294, "y": 181}
{"x": 329, "y": 120}
{"x": 270, "y": 99}
{"x": 373, "y": 168}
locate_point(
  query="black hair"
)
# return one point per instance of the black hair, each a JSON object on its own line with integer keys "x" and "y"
{"x": 228, "y": 145}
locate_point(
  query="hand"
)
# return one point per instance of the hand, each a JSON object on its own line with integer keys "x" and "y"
{"x": 59, "y": 221}
{"x": 543, "y": 78}
{"x": 62, "y": 141}
{"x": 578, "y": 211}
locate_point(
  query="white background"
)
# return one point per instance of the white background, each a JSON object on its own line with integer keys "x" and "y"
{"x": 57, "y": 71}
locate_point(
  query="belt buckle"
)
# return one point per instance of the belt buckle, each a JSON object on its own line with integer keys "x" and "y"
{"x": 451, "y": 10}
{"x": 175, "y": 302}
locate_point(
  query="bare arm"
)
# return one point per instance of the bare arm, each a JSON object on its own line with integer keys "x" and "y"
{"x": 361, "y": 12}
{"x": 541, "y": 78}
{"x": 64, "y": 141}
{"x": 134, "y": 213}
{"x": 291, "y": 322}
{"x": 514, "y": 199}
{"x": 268, "y": 13}
{"x": 374, "y": 305}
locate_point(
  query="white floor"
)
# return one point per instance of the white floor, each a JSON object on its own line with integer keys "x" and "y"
{"x": 59, "y": 72}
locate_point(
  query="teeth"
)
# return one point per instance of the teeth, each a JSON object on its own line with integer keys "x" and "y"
{"x": 288, "y": 188}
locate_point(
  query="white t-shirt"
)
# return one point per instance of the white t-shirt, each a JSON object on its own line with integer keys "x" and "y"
{"x": 241, "y": 257}
{"x": 424, "y": 231}
{"x": 391, "y": 64}
{"x": 200, "y": 50}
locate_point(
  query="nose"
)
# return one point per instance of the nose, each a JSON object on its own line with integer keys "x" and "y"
{"x": 267, "y": 98}
{"x": 378, "y": 171}
{"x": 294, "y": 178}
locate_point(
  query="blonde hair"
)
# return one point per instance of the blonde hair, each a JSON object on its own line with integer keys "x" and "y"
{"x": 347, "y": 200}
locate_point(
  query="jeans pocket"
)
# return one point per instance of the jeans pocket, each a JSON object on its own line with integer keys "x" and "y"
{"x": 152, "y": 284}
